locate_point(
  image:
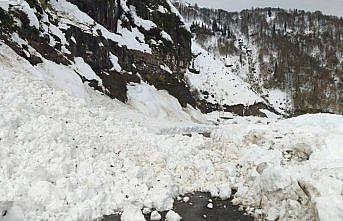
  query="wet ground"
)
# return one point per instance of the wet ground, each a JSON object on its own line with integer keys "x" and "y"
{"x": 196, "y": 209}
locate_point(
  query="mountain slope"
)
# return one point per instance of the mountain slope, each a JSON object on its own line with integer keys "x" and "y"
{"x": 120, "y": 46}
{"x": 69, "y": 152}
{"x": 293, "y": 59}
{"x": 117, "y": 44}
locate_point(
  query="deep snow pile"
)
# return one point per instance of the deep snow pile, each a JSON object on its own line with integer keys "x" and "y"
{"x": 288, "y": 170}
{"x": 67, "y": 158}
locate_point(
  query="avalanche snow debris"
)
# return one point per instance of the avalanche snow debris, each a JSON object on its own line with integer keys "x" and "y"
{"x": 155, "y": 216}
{"x": 73, "y": 154}
{"x": 173, "y": 216}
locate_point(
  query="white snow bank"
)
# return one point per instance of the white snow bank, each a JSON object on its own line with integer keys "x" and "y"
{"x": 159, "y": 104}
{"x": 65, "y": 78}
{"x": 291, "y": 168}
{"x": 66, "y": 159}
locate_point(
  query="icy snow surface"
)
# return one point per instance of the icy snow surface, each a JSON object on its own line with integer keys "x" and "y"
{"x": 63, "y": 157}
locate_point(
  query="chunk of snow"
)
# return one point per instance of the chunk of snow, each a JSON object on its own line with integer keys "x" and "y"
{"x": 132, "y": 214}
{"x": 116, "y": 65}
{"x": 162, "y": 9}
{"x": 224, "y": 192}
{"x": 210, "y": 205}
{"x": 186, "y": 199}
{"x": 173, "y": 216}
{"x": 159, "y": 104}
{"x": 155, "y": 216}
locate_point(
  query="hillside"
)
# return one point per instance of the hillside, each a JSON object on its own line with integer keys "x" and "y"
{"x": 132, "y": 42}
{"x": 115, "y": 109}
{"x": 292, "y": 58}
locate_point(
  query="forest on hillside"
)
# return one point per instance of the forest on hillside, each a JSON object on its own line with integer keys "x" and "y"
{"x": 292, "y": 50}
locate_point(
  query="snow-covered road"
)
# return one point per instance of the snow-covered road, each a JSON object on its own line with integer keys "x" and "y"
{"x": 67, "y": 158}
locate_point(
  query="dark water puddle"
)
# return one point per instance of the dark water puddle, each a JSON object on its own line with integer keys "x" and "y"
{"x": 196, "y": 209}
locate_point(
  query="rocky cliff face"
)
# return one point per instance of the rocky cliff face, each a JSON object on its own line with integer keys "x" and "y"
{"x": 294, "y": 59}
{"x": 122, "y": 41}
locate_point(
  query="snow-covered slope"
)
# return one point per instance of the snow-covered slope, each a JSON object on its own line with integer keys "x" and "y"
{"x": 216, "y": 83}
{"x": 110, "y": 44}
{"x": 128, "y": 43}
{"x": 292, "y": 58}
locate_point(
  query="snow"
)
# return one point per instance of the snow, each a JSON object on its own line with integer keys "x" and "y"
{"x": 13, "y": 212}
{"x": 175, "y": 11}
{"x": 146, "y": 24}
{"x": 4, "y": 5}
{"x": 166, "y": 68}
{"x": 132, "y": 214}
{"x": 71, "y": 14}
{"x": 155, "y": 216}
{"x": 65, "y": 78}
{"x": 70, "y": 153}
{"x": 158, "y": 104}
{"x": 278, "y": 99}
{"x": 85, "y": 70}
{"x": 67, "y": 159}
{"x": 162, "y": 9}
{"x": 166, "y": 36}
{"x": 53, "y": 29}
{"x": 173, "y": 216}
{"x": 25, "y": 7}
{"x": 298, "y": 158}
{"x": 129, "y": 38}
{"x": 185, "y": 199}
{"x": 116, "y": 65}
{"x": 214, "y": 77}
